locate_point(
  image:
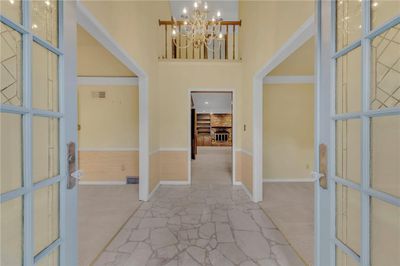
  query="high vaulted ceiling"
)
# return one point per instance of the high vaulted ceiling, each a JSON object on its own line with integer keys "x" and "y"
{"x": 214, "y": 102}
{"x": 229, "y": 9}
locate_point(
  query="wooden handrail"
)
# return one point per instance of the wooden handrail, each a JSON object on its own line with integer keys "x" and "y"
{"x": 180, "y": 22}
{"x": 178, "y": 47}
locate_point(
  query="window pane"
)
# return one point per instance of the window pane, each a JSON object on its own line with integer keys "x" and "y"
{"x": 385, "y": 56}
{"x": 383, "y": 10}
{"x": 11, "y": 151}
{"x": 45, "y": 216}
{"x": 348, "y": 149}
{"x": 50, "y": 260}
{"x": 11, "y": 66}
{"x": 45, "y": 148}
{"x": 348, "y": 222}
{"x": 385, "y": 233}
{"x": 45, "y": 20}
{"x": 342, "y": 259}
{"x": 348, "y": 22}
{"x": 385, "y": 154}
{"x": 11, "y": 9}
{"x": 11, "y": 232}
{"x": 44, "y": 79}
{"x": 348, "y": 82}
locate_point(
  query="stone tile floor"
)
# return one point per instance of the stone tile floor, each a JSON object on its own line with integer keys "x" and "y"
{"x": 199, "y": 225}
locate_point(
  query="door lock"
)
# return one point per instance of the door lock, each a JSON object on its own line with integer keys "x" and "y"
{"x": 323, "y": 166}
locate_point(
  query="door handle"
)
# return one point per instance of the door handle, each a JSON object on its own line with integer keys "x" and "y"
{"x": 323, "y": 166}
{"x": 71, "y": 160}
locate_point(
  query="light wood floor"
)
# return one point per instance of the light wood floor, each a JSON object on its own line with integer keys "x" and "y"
{"x": 291, "y": 207}
{"x": 102, "y": 211}
{"x": 213, "y": 165}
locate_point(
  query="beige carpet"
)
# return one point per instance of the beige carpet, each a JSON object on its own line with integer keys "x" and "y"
{"x": 102, "y": 211}
{"x": 213, "y": 165}
{"x": 291, "y": 208}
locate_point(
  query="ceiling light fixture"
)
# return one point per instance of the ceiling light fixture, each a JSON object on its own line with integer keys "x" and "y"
{"x": 205, "y": 102}
{"x": 197, "y": 29}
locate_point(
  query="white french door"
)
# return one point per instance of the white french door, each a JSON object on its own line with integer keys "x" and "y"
{"x": 358, "y": 103}
{"x": 36, "y": 122}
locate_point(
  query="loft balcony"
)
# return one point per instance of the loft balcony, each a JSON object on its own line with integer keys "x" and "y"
{"x": 180, "y": 49}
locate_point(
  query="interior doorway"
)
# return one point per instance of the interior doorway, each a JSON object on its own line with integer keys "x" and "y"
{"x": 108, "y": 141}
{"x": 211, "y": 137}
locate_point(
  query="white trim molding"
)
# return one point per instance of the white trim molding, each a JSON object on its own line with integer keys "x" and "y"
{"x": 249, "y": 153}
{"x": 172, "y": 182}
{"x": 102, "y": 183}
{"x": 302, "y": 35}
{"x": 246, "y": 190}
{"x": 154, "y": 190}
{"x": 288, "y": 180}
{"x": 107, "y": 81}
{"x": 107, "y": 149}
{"x": 97, "y": 31}
{"x": 172, "y": 149}
{"x": 289, "y": 80}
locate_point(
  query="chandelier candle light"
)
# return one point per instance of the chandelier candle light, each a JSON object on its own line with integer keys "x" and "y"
{"x": 197, "y": 29}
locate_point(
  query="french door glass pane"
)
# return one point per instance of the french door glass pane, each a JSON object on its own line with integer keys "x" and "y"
{"x": 385, "y": 154}
{"x": 11, "y": 232}
{"x": 11, "y": 152}
{"x": 44, "y": 79}
{"x": 348, "y": 22}
{"x": 385, "y": 233}
{"x": 348, "y": 149}
{"x": 45, "y": 148}
{"x": 11, "y": 65}
{"x": 383, "y": 10}
{"x": 348, "y": 222}
{"x": 45, "y": 20}
{"x": 12, "y": 9}
{"x": 45, "y": 216}
{"x": 385, "y": 56}
{"x": 348, "y": 82}
{"x": 50, "y": 260}
{"x": 342, "y": 259}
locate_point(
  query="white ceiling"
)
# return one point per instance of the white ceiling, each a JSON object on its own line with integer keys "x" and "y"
{"x": 229, "y": 8}
{"x": 217, "y": 102}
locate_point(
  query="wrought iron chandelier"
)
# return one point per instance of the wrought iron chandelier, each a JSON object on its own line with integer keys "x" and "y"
{"x": 197, "y": 29}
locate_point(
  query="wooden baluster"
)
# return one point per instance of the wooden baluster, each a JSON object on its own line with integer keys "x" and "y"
{"x": 226, "y": 42}
{"x": 234, "y": 41}
{"x": 180, "y": 43}
{"x": 220, "y": 46}
{"x": 166, "y": 49}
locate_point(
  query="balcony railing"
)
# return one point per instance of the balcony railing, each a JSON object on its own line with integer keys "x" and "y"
{"x": 225, "y": 49}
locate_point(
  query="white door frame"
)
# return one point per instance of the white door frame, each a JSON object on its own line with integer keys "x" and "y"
{"x": 97, "y": 31}
{"x": 234, "y": 182}
{"x": 303, "y": 34}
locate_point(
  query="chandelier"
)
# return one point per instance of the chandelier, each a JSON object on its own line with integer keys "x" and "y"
{"x": 197, "y": 29}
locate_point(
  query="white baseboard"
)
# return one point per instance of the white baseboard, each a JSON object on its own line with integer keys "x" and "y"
{"x": 237, "y": 183}
{"x": 166, "y": 182}
{"x": 102, "y": 183}
{"x": 246, "y": 190}
{"x": 287, "y": 180}
{"x": 154, "y": 190}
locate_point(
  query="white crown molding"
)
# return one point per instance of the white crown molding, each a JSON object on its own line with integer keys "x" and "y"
{"x": 107, "y": 149}
{"x": 107, "y": 81}
{"x": 288, "y": 80}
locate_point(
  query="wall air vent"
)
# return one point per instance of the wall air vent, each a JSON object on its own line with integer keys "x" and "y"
{"x": 99, "y": 94}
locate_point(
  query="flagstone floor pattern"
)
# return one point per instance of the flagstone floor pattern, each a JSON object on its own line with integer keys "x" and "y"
{"x": 201, "y": 224}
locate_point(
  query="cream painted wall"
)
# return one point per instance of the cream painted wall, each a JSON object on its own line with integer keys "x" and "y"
{"x": 112, "y": 122}
{"x": 175, "y": 79}
{"x": 288, "y": 131}
{"x": 95, "y": 60}
{"x": 265, "y": 28}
